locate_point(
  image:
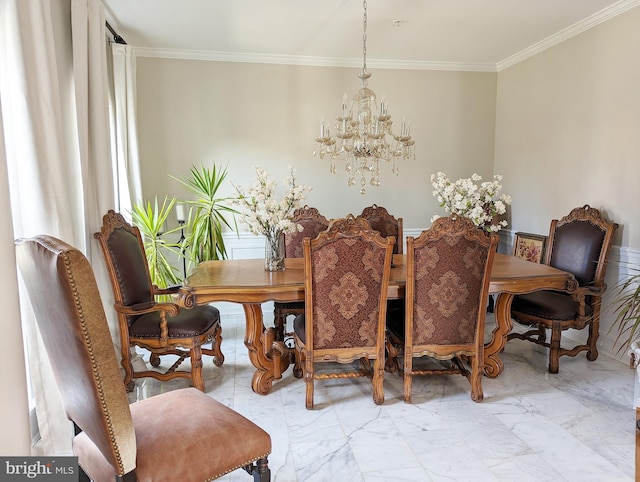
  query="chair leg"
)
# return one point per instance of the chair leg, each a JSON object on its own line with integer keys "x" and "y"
{"x": 126, "y": 364}
{"x": 594, "y": 327}
{"x": 260, "y": 471}
{"x": 154, "y": 360}
{"x": 216, "y": 345}
{"x": 378, "y": 381}
{"x": 391, "y": 363}
{"x": 298, "y": 367}
{"x": 309, "y": 379}
{"x": 554, "y": 348}
{"x": 476, "y": 380}
{"x": 279, "y": 323}
{"x": 407, "y": 375}
{"x": 196, "y": 367}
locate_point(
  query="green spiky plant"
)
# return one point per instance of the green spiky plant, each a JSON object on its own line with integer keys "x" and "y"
{"x": 150, "y": 220}
{"x": 207, "y": 212}
{"x": 626, "y": 306}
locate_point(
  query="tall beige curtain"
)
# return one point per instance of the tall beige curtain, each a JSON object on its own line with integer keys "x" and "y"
{"x": 53, "y": 75}
{"x": 14, "y": 403}
{"x": 125, "y": 133}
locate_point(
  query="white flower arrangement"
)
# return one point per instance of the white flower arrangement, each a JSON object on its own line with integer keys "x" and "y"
{"x": 480, "y": 203}
{"x": 265, "y": 215}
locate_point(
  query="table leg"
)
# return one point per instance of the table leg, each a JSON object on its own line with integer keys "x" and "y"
{"x": 268, "y": 355}
{"x": 493, "y": 365}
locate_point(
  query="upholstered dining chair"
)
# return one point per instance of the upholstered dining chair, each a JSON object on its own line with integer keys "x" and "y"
{"x": 311, "y": 224}
{"x": 160, "y": 328}
{"x": 178, "y": 435}
{"x": 386, "y": 224}
{"x": 347, "y": 269}
{"x": 578, "y": 243}
{"x": 448, "y": 273}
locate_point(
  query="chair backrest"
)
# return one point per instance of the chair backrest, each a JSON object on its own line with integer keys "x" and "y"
{"x": 126, "y": 261}
{"x": 69, "y": 313}
{"x": 386, "y": 224}
{"x": 312, "y": 223}
{"x": 448, "y": 274}
{"x": 579, "y": 243}
{"x": 347, "y": 270}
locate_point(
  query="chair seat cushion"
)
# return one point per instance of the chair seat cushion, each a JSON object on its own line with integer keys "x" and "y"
{"x": 550, "y": 305}
{"x": 299, "y": 328}
{"x": 214, "y": 440}
{"x": 187, "y": 323}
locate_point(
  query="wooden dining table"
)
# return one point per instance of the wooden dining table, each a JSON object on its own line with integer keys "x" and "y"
{"x": 246, "y": 282}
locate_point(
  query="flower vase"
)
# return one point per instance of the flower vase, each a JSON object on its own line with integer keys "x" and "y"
{"x": 274, "y": 253}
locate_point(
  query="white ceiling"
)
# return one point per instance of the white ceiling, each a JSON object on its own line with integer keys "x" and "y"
{"x": 472, "y": 34}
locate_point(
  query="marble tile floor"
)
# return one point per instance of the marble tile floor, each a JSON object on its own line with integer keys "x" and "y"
{"x": 532, "y": 426}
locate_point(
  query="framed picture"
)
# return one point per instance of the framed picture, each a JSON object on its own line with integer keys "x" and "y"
{"x": 529, "y": 246}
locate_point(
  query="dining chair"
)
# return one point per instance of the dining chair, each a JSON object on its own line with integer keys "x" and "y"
{"x": 311, "y": 223}
{"x": 160, "y": 328}
{"x": 578, "y": 243}
{"x": 448, "y": 274}
{"x": 178, "y": 435}
{"x": 386, "y": 224}
{"x": 346, "y": 270}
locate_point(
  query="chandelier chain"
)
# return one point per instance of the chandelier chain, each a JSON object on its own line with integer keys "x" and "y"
{"x": 364, "y": 37}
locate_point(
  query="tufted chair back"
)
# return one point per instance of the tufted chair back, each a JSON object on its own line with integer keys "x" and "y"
{"x": 576, "y": 246}
{"x": 126, "y": 253}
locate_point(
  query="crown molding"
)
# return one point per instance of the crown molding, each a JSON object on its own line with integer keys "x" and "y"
{"x": 565, "y": 34}
{"x": 569, "y": 32}
{"x": 214, "y": 56}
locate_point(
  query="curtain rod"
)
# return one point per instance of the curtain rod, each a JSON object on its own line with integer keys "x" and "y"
{"x": 116, "y": 38}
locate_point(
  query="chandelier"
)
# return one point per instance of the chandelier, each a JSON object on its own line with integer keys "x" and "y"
{"x": 362, "y": 133}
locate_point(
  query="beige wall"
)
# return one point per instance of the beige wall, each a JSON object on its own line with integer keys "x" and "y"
{"x": 198, "y": 111}
{"x": 565, "y": 125}
{"x": 568, "y": 129}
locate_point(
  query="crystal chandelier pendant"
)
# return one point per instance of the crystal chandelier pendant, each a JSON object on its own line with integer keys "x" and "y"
{"x": 363, "y": 136}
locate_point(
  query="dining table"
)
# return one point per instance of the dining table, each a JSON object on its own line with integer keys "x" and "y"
{"x": 245, "y": 281}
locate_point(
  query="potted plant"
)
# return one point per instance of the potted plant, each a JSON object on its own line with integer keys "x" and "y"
{"x": 625, "y": 305}
{"x": 206, "y": 220}
{"x": 151, "y": 220}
